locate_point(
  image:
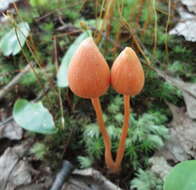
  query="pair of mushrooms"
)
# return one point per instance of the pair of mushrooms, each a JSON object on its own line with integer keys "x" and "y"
{"x": 89, "y": 77}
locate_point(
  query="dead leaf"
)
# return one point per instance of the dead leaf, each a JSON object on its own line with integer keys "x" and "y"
{"x": 186, "y": 26}
{"x": 4, "y": 4}
{"x": 190, "y": 100}
{"x": 188, "y": 89}
{"x": 160, "y": 166}
{"x": 14, "y": 171}
{"x": 10, "y": 129}
{"x": 40, "y": 186}
{"x": 191, "y": 5}
{"x": 182, "y": 143}
{"x": 89, "y": 179}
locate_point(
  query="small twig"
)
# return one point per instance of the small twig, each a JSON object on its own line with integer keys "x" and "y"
{"x": 15, "y": 80}
{"x": 59, "y": 90}
{"x": 155, "y": 25}
{"x": 166, "y": 30}
{"x": 62, "y": 175}
{"x": 6, "y": 121}
{"x": 41, "y": 94}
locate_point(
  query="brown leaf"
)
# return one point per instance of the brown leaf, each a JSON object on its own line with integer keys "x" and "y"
{"x": 187, "y": 25}
{"x": 191, "y": 5}
{"x": 89, "y": 179}
{"x": 182, "y": 143}
{"x": 190, "y": 99}
{"x": 14, "y": 171}
{"x": 10, "y": 129}
{"x": 159, "y": 166}
{"x": 188, "y": 89}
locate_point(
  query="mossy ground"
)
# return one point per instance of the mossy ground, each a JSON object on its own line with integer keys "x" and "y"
{"x": 139, "y": 24}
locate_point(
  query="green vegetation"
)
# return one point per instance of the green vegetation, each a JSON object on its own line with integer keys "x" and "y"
{"x": 146, "y": 180}
{"x": 146, "y": 133}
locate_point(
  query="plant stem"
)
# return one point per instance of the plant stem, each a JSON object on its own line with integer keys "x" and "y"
{"x": 106, "y": 139}
{"x": 121, "y": 147}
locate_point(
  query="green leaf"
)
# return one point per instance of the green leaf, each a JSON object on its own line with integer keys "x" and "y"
{"x": 62, "y": 73}
{"x": 33, "y": 117}
{"x": 182, "y": 177}
{"x": 13, "y": 41}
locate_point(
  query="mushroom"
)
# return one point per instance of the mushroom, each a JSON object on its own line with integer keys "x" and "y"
{"x": 127, "y": 78}
{"x": 89, "y": 77}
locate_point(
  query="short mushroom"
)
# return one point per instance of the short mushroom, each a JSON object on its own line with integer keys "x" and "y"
{"x": 127, "y": 78}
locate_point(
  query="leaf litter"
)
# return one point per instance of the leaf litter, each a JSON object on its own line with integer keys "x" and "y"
{"x": 9, "y": 129}
{"x": 182, "y": 142}
{"x": 188, "y": 89}
{"x": 14, "y": 171}
{"x": 187, "y": 25}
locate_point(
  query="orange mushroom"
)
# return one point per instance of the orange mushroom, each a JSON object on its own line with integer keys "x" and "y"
{"x": 127, "y": 78}
{"x": 127, "y": 75}
{"x": 89, "y": 77}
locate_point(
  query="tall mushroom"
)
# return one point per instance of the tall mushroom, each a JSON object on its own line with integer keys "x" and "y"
{"x": 127, "y": 78}
{"x": 89, "y": 77}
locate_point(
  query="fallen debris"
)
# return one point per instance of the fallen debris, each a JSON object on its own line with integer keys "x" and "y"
{"x": 4, "y": 4}
{"x": 191, "y": 5}
{"x": 89, "y": 179}
{"x": 9, "y": 129}
{"x": 14, "y": 171}
{"x": 15, "y": 80}
{"x": 182, "y": 143}
{"x": 188, "y": 89}
{"x": 187, "y": 25}
{"x": 160, "y": 166}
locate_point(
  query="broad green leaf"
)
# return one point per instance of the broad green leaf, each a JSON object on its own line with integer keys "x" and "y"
{"x": 182, "y": 177}
{"x": 33, "y": 117}
{"x": 13, "y": 41}
{"x": 62, "y": 73}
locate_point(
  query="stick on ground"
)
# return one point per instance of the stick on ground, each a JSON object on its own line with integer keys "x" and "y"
{"x": 15, "y": 80}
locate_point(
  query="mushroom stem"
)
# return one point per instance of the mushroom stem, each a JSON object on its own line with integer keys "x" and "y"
{"x": 106, "y": 139}
{"x": 121, "y": 147}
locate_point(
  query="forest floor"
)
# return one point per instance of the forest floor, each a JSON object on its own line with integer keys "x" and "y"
{"x": 31, "y": 161}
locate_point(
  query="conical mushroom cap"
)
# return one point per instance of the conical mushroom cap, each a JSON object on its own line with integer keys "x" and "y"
{"x": 127, "y": 75}
{"x": 88, "y": 72}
